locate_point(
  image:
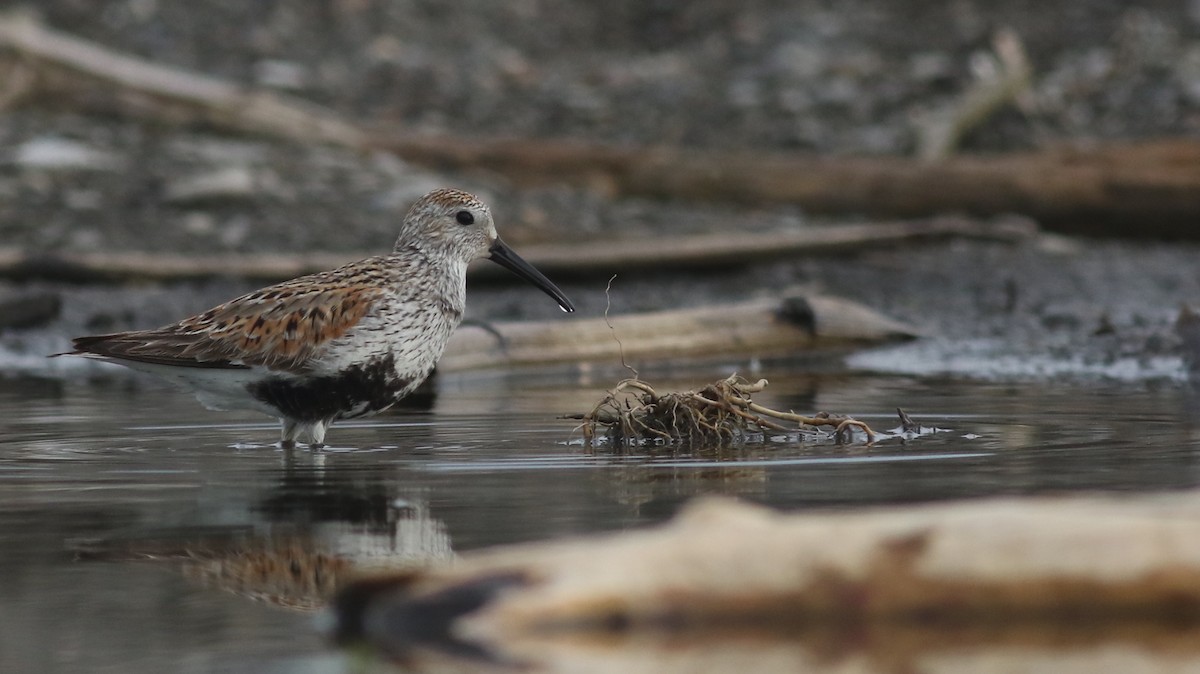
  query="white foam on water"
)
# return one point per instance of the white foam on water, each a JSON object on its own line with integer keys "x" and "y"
{"x": 992, "y": 359}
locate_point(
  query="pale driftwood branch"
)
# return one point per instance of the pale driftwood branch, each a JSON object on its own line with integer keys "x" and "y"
{"x": 926, "y": 588}
{"x": 561, "y": 260}
{"x": 941, "y": 132}
{"x": 761, "y": 328}
{"x": 93, "y": 76}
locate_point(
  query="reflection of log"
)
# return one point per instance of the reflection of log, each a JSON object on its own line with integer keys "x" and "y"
{"x": 1047, "y": 575}
{"x": 1135, "y": 189}
{"x": 739, "y": 650}
{"x": 750, "y": 329}
{"x": 560, "y": 260}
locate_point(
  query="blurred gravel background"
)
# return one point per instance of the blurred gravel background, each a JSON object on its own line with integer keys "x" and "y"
{"x": 845, "y": 78}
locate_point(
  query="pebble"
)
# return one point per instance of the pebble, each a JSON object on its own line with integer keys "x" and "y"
{"x": 233, "y": 183}
{"x": 29, "y": 309}
{"x": 279, "y": 74}
{"x": 50, "y": 153}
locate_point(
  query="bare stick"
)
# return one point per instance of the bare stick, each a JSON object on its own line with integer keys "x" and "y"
{"x": 1010, "y": 77}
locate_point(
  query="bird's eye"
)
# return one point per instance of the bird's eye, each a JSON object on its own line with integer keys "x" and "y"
{"x": 464, "y": 218}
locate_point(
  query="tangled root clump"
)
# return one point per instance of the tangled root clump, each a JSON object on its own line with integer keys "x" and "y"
{"x": 633, "y": 413}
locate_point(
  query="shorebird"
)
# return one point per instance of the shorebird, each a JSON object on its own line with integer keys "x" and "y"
{"x": 337, "y": 344}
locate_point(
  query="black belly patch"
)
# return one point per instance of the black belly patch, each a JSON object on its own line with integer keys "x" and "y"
{"x": 354, "y": 392}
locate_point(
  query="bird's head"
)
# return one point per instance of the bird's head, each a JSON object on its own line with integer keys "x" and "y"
{"x": 456, "y": 225}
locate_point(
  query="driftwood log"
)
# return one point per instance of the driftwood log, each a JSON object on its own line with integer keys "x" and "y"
{"x": 50, "y": 63}
{"x": 1037, "y": 583}
{"x": 566, "y": 260}
{"x": 1147, "y": 189}
{"x": 1129, "y": 189}
{"x": 763, "y": 328}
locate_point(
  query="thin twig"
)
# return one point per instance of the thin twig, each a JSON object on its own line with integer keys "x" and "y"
{"x": 620, "y": 346}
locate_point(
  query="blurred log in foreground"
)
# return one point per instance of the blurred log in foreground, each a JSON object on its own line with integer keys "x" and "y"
{"x": 1036, "y": 583}
{"x": 1132, "y": 189}
{"x": 755, "y": 329}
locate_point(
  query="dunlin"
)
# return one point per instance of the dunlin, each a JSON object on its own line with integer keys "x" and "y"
{"x": 338, "y": 344}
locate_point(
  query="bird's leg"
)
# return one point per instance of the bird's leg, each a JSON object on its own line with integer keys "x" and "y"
{"x": 489, "y": 328}
{"x": 289, "y": 429}
{"x": 317, "y": 432}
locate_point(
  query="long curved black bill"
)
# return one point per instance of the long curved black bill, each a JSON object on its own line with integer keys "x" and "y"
{"x": 504, "y": 256}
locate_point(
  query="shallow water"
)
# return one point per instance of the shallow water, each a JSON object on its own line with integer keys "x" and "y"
{"x": 134, "y": 524}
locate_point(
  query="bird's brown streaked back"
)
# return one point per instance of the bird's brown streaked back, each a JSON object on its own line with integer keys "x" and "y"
{"x": 279, "y": 326}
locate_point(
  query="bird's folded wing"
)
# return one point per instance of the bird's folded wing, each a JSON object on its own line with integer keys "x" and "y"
{"x": 278, "y": 327}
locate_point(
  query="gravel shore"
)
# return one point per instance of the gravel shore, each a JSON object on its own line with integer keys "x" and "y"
{"x": 851, "y": 79}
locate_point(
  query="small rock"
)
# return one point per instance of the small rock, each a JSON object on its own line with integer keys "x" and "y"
{"x": 219, "y": 151}
{"x": 930, "y": 66}
{"x": 1187, "y": 326}
{"x": 803, "y": 61}
{"x": 1145, "y": 38}
{"x": 83, "y": 200}
{"x": 143, "y": 10}
{"x": 385, "y": 49}
{"x": 279, "y": 74}
{"x": 400, "y": 197}
{"x": 1060, "y": 319}
{"x": 85, "y": 238}
{"x": 199, "y": 223}
{"x": 795, "y": 100}
{"x": 49, "y": 153}
{"x": 1188, "y": 72}
{"x": 29, "y": 309}
{"x": 235, "y": 183}
{"x": 234, "y": 232}
{"x": 744, "y": 93}
{"x": 109, "y": 320}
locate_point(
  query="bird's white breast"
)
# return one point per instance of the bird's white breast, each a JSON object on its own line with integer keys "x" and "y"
{"x": 413, "y": 327}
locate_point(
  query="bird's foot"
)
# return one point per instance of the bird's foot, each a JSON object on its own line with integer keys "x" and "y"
{"x": 491, "y": 329}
